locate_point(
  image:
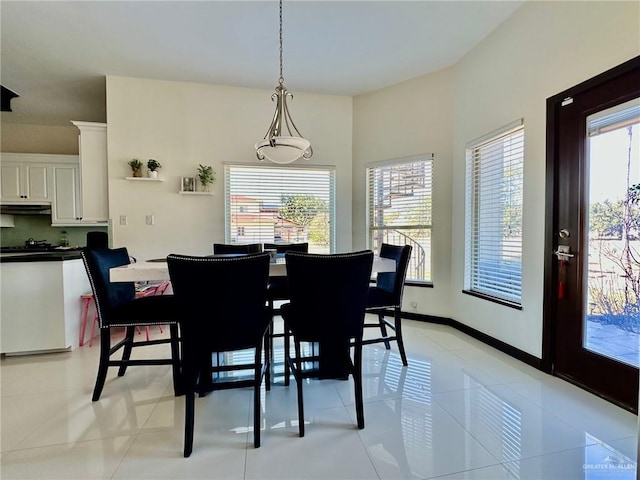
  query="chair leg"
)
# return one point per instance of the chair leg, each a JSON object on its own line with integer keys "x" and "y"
{"x": 256, "y": 396}
{"x": 189, "y": 414}
{"x": 287, "y": 347}
{"x": 83, "y": 320}
{"x": 298, "y": 376}
{"x": 398, "y": 324}
{"x": 175, "y": 360}
{"x": 268, "y": 347}
{"x": 205, "y": 380}
{"x": 103, "y": 366}
{"x": 357, "y": 382}
{"x": 93, "y": 329}
{"x": 126, "y": 352}
{"x": 267, "y": 361}
{"x": 383, "y": 330}
{"x": 270, "y": 331}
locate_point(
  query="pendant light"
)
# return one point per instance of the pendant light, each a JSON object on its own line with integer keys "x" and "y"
{"x": 275, "y": 146}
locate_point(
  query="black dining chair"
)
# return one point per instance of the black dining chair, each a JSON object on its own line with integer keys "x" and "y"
{"x": 97, "y": 239}
{"x": 386, "y": 295}
{"x": 278, "y": 289}
{"x": 228, "y": 248}
{"x": 117, "y": 306}
{"x": 221, "y": 305}
{"x": 328, "y": 296}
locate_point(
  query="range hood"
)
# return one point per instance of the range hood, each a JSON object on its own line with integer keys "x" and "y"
{"x": 20, "y": 209}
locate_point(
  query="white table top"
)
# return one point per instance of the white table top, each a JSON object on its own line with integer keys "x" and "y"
{"x": 158, "y": 271}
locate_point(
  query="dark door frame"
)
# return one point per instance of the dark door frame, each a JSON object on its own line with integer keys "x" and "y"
{"x": 550, "y": 303}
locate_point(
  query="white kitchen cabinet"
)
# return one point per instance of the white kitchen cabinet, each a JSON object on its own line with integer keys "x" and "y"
{"x": 93, "y": 193}
{"x": 75, "y": 185}
{"x": 24, "y": 182}
{"x": 66, "y": 209}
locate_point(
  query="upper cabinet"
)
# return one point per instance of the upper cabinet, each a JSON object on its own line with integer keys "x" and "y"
{"x": 24, "y": 182}
{"x": 66, "y": 206}
{"x": 75, "y": 186}
{"x": 93, "y": 194}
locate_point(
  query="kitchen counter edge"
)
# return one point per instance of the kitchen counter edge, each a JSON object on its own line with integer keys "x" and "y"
{"x": 40, "y": 256}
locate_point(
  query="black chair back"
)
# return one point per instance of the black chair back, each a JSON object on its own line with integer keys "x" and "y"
{"x": 330, "y": 292}
{"x": 221, "y": 301}
{"x": 97, "y": 240}
{"x": 287, "y": 247}
{"x": 393, "y": 282}
{"x": 226, "y": 248}
{"x": 107, "y": 295}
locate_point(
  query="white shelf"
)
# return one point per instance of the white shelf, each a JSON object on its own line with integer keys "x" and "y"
{"x": 195, "y": 193}
{"x": 144, "y": 179}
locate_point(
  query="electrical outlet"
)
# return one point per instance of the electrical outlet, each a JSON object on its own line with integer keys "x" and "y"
{"x": 150, "y": 220}
{"x": 123, "y": 220}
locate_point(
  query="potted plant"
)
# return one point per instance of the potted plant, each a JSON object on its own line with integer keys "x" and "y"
{"x": 152, "y": 168}
{"x": 136, "y": 167}
{"x": 206, "y": 175}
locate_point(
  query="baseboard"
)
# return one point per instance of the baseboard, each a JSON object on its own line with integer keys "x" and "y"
{"x": 478, "y": 335}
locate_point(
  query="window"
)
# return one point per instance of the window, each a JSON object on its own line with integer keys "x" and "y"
{"x": 399, "y": 210}
{"x": 280, "y": 204}
{"x": 493, "y": 233}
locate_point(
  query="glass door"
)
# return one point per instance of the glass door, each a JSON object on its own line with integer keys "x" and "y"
{"x": 611, "y": 327}
{"x": 592, "y": 276}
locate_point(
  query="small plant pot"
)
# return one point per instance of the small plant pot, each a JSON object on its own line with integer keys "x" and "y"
{"x": 137, "y": 172}
{"x": 152, "y": 174}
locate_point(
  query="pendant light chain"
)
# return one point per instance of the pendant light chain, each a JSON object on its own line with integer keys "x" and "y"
{"x": 281, "y": 79}
{"x": 283, "y": 142}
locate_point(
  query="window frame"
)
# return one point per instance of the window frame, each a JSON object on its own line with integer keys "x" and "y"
{"x": 370, "y": 229}
{"x": 472, "y": 214}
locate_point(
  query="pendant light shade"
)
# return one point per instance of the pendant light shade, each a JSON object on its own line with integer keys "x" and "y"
{"x": 284, "y": 149}
{"x": 275, "y": 146}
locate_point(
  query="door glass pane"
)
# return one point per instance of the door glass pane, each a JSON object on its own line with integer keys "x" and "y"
{"x": 612, "y": 311}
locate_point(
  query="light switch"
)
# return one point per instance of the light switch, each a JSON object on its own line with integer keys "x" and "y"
{"x": 123, "y": 219}
{"x": 150, "y": 220}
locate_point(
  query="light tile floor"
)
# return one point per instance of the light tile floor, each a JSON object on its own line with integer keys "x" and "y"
{"x": 461, "y": 410}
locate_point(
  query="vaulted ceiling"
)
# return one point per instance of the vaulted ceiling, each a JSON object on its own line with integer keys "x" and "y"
{"x": 56, "y": 55}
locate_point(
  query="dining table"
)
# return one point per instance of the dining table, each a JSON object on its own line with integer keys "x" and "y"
{"x": 156, "y": 270}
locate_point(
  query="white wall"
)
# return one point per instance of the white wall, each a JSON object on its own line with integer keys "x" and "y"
{"x": 184, "y": 124}
{"x": 541, "y": 50}
{"x": 408, "y": 119}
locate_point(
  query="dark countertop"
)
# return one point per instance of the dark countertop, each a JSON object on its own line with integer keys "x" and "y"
{"x": 52, "y": 256}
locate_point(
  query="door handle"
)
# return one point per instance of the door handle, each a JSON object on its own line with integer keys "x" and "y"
{"x": 563, "y": 253}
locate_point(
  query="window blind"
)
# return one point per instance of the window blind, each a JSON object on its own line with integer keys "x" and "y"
{"x": 613, "y": 118}
{"x": 399, "y": 196}
{"x": 494, "y": 196}
{"x": 280, "y": 204}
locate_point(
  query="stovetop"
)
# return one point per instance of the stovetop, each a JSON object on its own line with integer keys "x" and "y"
{"x": 35, "y": 248}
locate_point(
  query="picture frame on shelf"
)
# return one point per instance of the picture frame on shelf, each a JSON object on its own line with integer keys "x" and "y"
{"x": 188, "y": 184}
